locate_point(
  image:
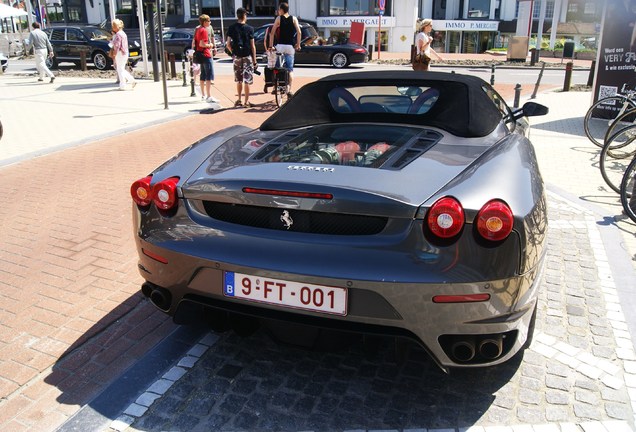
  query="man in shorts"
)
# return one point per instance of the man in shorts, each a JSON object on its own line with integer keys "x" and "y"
{"x": 288, "y": 39}
{"x": 240, "y": 40}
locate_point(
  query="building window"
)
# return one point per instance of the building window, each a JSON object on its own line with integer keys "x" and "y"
{"x": 261, "y": 8}
{"x": 478, "y": 9}
{"x": 212, "y": 8}
{"x": 351, "y": 7}
{"x": 175, "y": 7}
{"x": 549, "y": 9}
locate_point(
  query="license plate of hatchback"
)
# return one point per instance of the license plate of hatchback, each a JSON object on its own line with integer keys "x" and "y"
{"x": 297, "y": 295}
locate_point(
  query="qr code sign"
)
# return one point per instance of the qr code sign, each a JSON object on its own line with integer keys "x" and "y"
{"x": 607, "y": 91}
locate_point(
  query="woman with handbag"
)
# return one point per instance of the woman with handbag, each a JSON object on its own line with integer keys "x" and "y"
{"x": 423, "y": 46}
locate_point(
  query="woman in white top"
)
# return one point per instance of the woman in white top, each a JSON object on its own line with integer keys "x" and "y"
{"x": 423, "y": 40}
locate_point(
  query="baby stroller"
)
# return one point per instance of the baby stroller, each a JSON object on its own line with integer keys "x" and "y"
{"x": 272, "y": 62}
{"x": 277, "y": 76}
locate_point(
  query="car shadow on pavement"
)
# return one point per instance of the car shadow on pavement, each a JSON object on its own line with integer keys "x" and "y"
{"x": 558, "y": 126}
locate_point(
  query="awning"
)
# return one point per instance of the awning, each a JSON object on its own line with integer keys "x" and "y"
{"x": 10, "y": 12}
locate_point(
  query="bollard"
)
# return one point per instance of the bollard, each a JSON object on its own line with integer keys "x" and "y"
{"x": 173, "y": 66}
{"x": 192, "y": 92}
{"x": 536, "y": 86}
{"x": 183, "y": 70}
{"x": 590, "y": 77}
{"x": 83, "y": 66}
{"x": 164, "y": 62}
{"x": 517, "y": 95}
{"x": 568, "y": 77}
{"x": 492, "y": 74}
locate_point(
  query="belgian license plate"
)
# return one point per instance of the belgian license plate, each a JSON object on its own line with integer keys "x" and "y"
{"x": 298, "y": 295}
{"x": 134, "y": 53}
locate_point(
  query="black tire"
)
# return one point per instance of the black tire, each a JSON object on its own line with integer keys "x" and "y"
{"x": 624, "y": 120}
{"x": 596, "y": 128}
{"x": 51, "y": 62}
{"x": 339, "y": 60}
{"x": 278, "y": 95}
{"x": 628, "y": 191}
{"x": 616, "y": 155}
{"x": 101, "y": 60}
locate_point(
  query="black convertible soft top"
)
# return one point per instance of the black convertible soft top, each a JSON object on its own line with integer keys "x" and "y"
{"x": 463, "y": 107}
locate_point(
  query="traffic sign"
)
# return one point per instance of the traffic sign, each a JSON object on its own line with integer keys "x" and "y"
{"x": 381, "y": 4}
{"x": 381, "y": 12}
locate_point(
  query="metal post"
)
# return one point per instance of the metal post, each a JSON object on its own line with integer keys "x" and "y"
{"x": 83, "y": 66}
{"x": 492, "y": 74}
{"x": 192, "y": 92}
{"x": 568, "y": 76}
{"x": 173, "y": 66}
{"x": 517, "y": 95}
{"x": 183, "y": 70}
{"x": 153, "y": 40}
{"x": 590, "y": 77}
{"x": 164, "y": 59}
{"x": 536, "y": 86}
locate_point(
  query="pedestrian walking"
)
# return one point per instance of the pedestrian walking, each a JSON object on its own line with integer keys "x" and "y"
{"x": 423, "y": 47}
{"x": 240, "y": 40}
{"x": 288, "y": 39}
{"x": 120, "y": 50}
{"x": 42, "y": 49}
{"x": 204, "y": 49}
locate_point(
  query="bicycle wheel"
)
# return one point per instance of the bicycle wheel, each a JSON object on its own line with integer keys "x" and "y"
{"x": 623, "y": 120}
{"x": 278, "y": 95}
{"x": 616, "y": 155}
{"x": 605, "y": 111}
{"x": 628, "y": 191}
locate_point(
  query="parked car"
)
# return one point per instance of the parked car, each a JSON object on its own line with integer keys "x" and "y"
{"x": 401, "y": 203}
{"x": 337, "y": 55}
{"x": 178, "y": 41}
{"x": 69, "y": 41}
{"x": 4, "y": 62}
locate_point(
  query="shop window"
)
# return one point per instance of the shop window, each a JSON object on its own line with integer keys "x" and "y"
{"x": 261, "y": 8}
{"x": 478, "y": 9}
{"x": 213, "y": 8}
{"x": 351, "y": 7}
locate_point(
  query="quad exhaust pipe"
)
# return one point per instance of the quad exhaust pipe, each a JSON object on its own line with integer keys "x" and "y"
{"x": 160, "y": 297}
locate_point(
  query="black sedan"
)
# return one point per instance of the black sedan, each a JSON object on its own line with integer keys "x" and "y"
{"x": 70, "y": 41}
{"x": 178, "y": 41}
{"x": 337, "y": 55}
{"x": 402, "y": 203}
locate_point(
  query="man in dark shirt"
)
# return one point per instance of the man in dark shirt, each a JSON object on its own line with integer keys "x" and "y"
{"x": 240, "y": 40}
{"x": 288, "y": 39}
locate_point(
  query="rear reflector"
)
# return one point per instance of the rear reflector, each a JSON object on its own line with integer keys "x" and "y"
{"x": 154, "y": 256}
{"x": 294, "y": 194}
{"x": 463, "y": 298}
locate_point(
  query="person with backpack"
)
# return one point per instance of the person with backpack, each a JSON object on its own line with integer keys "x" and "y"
{"x": 288, "y": 39}
{"x": 240, "y": 40}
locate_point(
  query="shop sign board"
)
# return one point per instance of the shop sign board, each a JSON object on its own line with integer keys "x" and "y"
{"x": 340, "y": 22}
{"x": 465, "y": 25}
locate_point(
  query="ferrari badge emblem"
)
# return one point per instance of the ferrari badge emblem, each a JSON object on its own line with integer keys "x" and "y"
{"x": 286, "y": 219}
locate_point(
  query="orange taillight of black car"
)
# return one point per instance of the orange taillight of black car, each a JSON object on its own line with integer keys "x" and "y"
{"x": 494, "y": 221}
{"x": 141, "y": 191}
{"x": 163, "y": 193}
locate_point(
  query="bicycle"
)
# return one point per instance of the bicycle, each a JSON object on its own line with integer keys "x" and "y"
{"x": 280, "y": 81}
{"x": 617, "y": 148}
{"x": 606, "y": 114}
{"x": 621, "y": 122}
{"x": 628, "y": 190}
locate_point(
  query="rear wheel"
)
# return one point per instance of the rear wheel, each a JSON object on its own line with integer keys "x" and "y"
{"x": 628, "y": 191}
{"x": 100, "y": 60}
{"x": 608, "y": 109}
{"x": 51, "y": 62}
{"x": 616, "y": 155}
{"x": 339, "y": 60}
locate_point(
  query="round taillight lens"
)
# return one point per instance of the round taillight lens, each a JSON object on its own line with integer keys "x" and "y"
{"x": 495, "y": 221}
{"x": 446, "y": 218}
{"x": 164, "y": 193}
{"x": 141, "y": 192}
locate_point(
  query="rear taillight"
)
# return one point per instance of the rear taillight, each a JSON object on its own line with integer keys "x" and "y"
{"x": 359, "y": 50}
{"x": 141, "y": 192}
{"x": 164, "y": 193}
{"x": 445, "y": 218}
{"x": 495, "y": 221}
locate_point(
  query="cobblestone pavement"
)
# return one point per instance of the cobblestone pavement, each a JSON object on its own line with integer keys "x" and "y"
{"x": 579, "y": 374}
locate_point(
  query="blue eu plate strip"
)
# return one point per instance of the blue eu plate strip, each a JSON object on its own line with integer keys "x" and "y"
{"x": 228, "y": 287}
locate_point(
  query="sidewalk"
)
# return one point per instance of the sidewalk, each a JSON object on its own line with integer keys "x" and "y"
{"x": 71, "y": 316}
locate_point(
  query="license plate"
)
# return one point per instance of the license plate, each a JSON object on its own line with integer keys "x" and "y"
{"x": 297, "y": 295}
{"x": 133, "y": 53}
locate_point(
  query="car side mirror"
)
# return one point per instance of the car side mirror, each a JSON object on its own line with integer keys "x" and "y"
{"x": 531, "y": 109}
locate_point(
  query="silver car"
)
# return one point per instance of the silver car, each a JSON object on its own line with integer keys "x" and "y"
{"x": 401, "y": 203}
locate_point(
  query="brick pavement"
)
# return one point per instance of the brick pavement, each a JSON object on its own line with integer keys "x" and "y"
{"x": 71, "y": 316}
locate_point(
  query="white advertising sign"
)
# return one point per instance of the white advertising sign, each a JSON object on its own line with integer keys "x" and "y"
{"x": 368, "y": 21}
{"x": 465, "y": 25}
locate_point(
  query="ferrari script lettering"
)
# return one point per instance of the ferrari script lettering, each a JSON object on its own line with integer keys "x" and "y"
{"x": 286, "y": 219}
{"x": 310, "y": 168}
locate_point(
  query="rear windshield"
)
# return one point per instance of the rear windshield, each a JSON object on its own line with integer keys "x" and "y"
{"x": 383, "y": 99}
{"x": 361, "y": 145}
